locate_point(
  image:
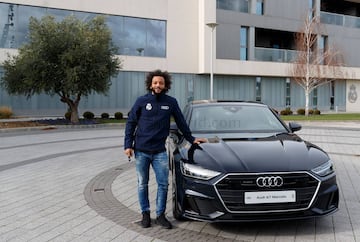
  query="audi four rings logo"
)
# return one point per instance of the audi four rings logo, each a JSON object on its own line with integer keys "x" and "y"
{"x": 269, "y": 181}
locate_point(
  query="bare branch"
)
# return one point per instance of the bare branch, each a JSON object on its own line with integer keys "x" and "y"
{"x": 314, "y": 66}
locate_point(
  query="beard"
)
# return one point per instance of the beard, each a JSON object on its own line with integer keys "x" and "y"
{"x": 158, "y": 94}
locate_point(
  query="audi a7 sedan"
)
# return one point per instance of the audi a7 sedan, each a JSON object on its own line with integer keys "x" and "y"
{"x": 253, "y": 167}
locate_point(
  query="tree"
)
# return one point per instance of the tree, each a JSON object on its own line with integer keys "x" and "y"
{"x": 314, "y": 66}
{"x": 70, "y": 59}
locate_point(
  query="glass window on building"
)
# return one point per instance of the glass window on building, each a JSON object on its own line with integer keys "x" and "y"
{"x": 322, "y": 46}
{"x": 190, "y": 90}
{"x": 233, "y": 5}
{"x": 244, "y": 43}
{"x": 156, "y": 38}
{"x": 321, "y": 43}
{"x": 311, "y": 8}
{"x": 258, "y": 89}
{"x": 133, "y": 36}
{"x": 315, "y": 98}
{"x": 332, "y": 95}
{"x": 288, "y": 93}
{"x": 14, "y": 21}
{"x": 7, "y": 21}
{"x": 260, "y": 7}
{"x": 137, "y": 36}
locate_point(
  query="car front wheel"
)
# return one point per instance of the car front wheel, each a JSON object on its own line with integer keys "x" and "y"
{"x": 175, "y": 205}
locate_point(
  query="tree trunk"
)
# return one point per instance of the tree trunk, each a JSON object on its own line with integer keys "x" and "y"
{"x": 73, "y": 107}
{"x": 306, "y": 103}
{"x": 74, "y": 114}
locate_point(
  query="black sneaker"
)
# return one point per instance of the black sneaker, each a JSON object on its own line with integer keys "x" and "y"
{"x": 163, "y": 221}
{"x": 146, "y": 220}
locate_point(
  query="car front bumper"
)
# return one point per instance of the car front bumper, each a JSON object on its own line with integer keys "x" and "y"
{"x": 201, "y": 200}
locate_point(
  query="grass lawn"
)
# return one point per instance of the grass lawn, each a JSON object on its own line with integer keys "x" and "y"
{"x": 323, "y": 117}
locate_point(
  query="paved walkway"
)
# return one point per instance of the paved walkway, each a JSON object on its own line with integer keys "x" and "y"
{"x": 76, "y": 185}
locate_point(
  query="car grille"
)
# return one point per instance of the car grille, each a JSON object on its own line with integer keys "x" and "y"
{"x": 232, "y": 187}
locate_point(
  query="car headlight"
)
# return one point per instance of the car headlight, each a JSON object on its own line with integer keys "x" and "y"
{"x": 197, "y": 171}
{"x": 324, "y": 169}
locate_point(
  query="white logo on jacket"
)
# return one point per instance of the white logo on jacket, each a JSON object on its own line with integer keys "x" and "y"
{"x": 148, "y": 106}
{"x": 165, "y": 107}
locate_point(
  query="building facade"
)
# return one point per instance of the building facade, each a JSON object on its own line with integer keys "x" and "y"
{"x": 245, "y": 56}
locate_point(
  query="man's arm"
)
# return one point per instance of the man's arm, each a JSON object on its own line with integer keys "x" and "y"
{"x": 130, "y": 128}
{"x": 184, "y": 128}
{"x": 181, "y": 123}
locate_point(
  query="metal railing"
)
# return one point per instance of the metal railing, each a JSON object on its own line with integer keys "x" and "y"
{"x": 274, "y": 55}
{"x": 233, "y": 5}
{"x": 339, "y": 19}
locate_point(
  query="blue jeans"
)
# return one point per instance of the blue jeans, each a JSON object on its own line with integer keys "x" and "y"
{"x": 160, "y": 165}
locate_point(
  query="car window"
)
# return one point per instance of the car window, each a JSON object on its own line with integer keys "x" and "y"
{"x": 247, "y": 118}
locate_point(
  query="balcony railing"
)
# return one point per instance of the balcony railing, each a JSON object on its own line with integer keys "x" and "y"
{"x": 339, "y": 19}
{"x": 274, "y": 55}
{"x": 233, "y": 5}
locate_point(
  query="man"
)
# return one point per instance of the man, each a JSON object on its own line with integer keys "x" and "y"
{"x": 146, "y": 131}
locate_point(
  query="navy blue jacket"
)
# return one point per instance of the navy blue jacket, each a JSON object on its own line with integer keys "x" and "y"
{"x": 148, "y": 123}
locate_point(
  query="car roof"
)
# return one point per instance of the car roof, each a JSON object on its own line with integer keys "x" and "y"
{"x": 210, "y": 102}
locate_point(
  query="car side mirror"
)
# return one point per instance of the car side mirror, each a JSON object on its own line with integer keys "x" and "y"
{"x": 294, "y": 126}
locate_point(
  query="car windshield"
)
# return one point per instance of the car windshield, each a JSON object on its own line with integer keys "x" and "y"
{"x": 234, "y": 118}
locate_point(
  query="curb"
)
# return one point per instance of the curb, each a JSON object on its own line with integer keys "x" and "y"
{"x": 54, "y": 127}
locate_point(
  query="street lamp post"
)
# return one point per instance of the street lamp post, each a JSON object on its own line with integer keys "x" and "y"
{"x": 212, "y": 26}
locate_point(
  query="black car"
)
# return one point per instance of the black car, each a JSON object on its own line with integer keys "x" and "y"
{"x": 253, "y": 167}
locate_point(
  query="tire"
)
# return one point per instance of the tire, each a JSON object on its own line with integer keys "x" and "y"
{"x": 175, "y": 206}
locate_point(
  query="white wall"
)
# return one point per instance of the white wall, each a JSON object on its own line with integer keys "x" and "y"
{"x": 207, "y": 14}
{"x": 182, "y": 36}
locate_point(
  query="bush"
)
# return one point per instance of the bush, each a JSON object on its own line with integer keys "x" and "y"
{"x": 286, "y": 111}
{"x": 301, "y": 111}
{"x": 67, "y": 115}
{"x": 317, "y": 112}
{"x": 118, "y": 115}
{"x": 105, "y": 115}
{"x": 5, "y": 112}
{"x": 88, "y": 115}
{"x": 311, "y": 111}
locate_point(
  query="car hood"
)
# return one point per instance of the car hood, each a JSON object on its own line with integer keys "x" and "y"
{"x": 277, "y": 153}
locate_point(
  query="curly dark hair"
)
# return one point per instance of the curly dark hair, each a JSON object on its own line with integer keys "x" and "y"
{"x": 164, "y": 74}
